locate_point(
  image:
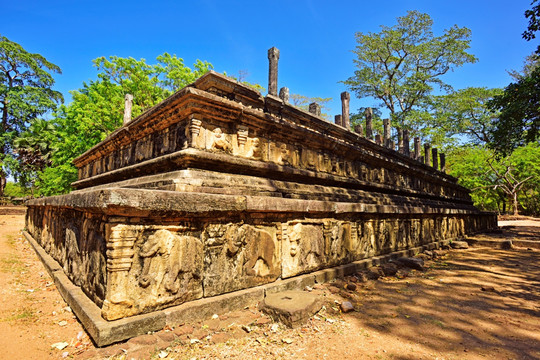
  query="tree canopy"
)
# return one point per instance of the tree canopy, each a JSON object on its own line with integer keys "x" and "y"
{"x": 519, "y": 120}
{"x": 400, "y": 65}
{"x": 498, "y": 181}
{"x": 25, "y": 94}
{"x": 533, "y": 15}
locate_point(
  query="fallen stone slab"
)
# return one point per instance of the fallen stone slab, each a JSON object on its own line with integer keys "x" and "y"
{"x": 292, "y": 308}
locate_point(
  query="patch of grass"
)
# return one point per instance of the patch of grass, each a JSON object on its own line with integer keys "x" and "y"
{"x": 433, "y": 320}
{"x": 10, "y": 240}
{"x": 11, "y": 264}
{"x": 24, "y": 314}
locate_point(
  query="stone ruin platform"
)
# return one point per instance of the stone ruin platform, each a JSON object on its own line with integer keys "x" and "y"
{"x": 218, "y": 195}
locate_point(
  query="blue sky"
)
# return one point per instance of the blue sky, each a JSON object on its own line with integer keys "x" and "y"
{"x": 315, "y": 38}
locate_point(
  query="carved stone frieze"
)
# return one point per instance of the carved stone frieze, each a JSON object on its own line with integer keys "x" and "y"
{"x": 239, "y": 256}
{"x": 149, "y": 268}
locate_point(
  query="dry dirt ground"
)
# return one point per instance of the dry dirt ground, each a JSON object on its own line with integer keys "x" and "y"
{"x": 479, "y": 303}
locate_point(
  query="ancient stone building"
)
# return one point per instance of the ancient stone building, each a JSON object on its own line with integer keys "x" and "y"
{"x": 219, "y": 189}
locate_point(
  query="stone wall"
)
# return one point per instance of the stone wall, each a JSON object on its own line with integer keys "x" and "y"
{"x": 129, "y": 266}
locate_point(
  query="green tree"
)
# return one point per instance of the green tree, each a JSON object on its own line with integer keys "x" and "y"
{"x": 400, "y": 65}
{"x": 302, "y": 102}
{"x": 533, "y": 15}
{"x": 97, "y": 108}
{"x": 519, "y": 120}
{"x": 494, "y": 180}
{"x": 470, "y": 165}
{"x": 25, "y": 94}
{"x": 461, "y": 113}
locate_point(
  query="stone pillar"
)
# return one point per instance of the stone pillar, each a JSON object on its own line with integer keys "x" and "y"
{"x": 427, "y": 155}
{"x": 400, "y": 140}
{"x": 127, "y": 108}
{"x": 284, "y": 94}
{"x": 273, "y": 57}
{"x": 359, "y": 129}
{"x": 378, "y": 139}
{"x": 443, "y": 162}
{"x": 406, "y": 145}
{"x": 392, "y": 145}
{"x": 338, "y": 120}
{"x": 369, "y": 123}
{"x": 345, "y": 98}
{"x": 435, "y": 157}
{"x": 417, "y": 148}
{"x": 387, "y": 130}
{"x": 315, "y": 109}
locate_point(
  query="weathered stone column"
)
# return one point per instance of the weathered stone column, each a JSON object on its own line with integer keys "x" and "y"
{"x": 406, "y": 145}
{"x": 427, "y": 155}
{"x": 400, "y": 140}
{"x": 315, "y": 109}
{"x": 338, "y": 120}
{"x": 284, "y": 94}
{"x": 435, "y": 157}
{"x": 359, "y": 129}
{"x": 378, "y": 139}
{"x": 273, "y": 57}
{"x": 369, "y": 123}
{"x": 127, "y": 108}
{"x": 443, "y": 162}
{"x": 345, "y": 98}
{"x": 417, "y": 148}
{"x": 386, "y": 132}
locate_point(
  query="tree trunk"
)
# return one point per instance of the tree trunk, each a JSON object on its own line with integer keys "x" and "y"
{"x": 515, "y": 203}
{"x": 3, "y": 181}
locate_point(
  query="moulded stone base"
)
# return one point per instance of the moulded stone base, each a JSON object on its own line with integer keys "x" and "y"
{"x": 105, "y": 332}
{"x": 134, "y": 251}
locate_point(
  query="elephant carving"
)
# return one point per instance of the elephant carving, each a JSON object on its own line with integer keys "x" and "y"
{"x": 170, "y": 259}
{"x": 258, "y": 246}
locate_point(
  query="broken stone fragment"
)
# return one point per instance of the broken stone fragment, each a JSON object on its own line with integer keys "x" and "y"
{"x": 412, "y": 263}
{"x": 389, "y": 269}
{"x": 350, "y": 286}
{"x": 346, "y": 306}
{"x": 460, "y": 245}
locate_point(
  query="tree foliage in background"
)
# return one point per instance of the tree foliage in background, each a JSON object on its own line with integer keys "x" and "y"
{"x": 97, "y": 108}
{"x": 498, "y": 182}
{"x": 302, "y": 102}
{"x": 401, "y": 65}
{"x": 519, "y": 120}
{"x": 25, "y": 95}
{"x": 460, "y": 116}
{"x": 533, "y": 15}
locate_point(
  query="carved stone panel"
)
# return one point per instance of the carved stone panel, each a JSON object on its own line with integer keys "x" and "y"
{"x": 150, "y": 268}
{"x": 303, "y": 248}
{"x": 240, "y": 256}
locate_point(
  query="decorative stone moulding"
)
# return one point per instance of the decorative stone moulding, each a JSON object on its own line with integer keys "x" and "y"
{"x": 219, "y": 190}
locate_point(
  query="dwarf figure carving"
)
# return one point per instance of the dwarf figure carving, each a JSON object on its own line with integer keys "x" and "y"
{"x": 220, "y": 142}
